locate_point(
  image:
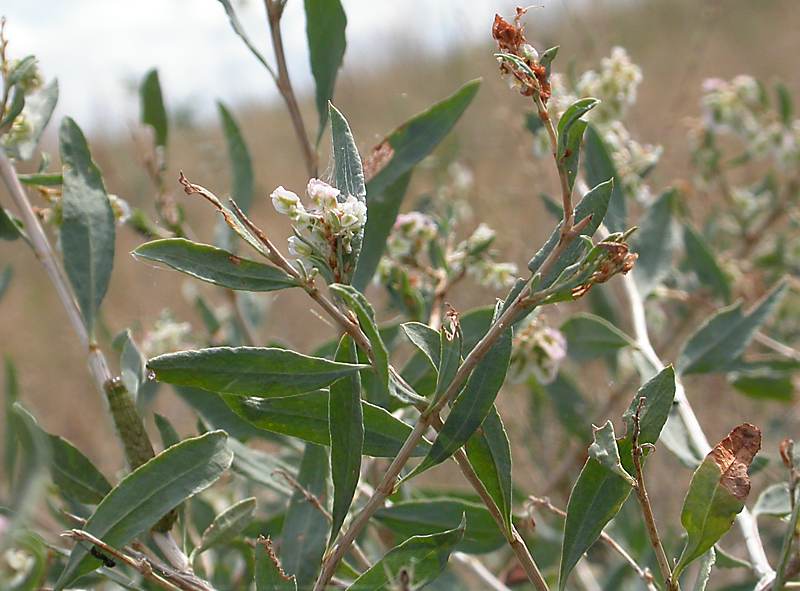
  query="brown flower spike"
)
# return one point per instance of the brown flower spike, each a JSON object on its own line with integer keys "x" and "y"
{"x": 511, "y": 39}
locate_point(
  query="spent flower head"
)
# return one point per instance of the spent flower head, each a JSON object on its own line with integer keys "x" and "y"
{"x": 538, "y": 351}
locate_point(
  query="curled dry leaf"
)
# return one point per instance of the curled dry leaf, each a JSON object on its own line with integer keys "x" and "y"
{"x": 717, "y": 492}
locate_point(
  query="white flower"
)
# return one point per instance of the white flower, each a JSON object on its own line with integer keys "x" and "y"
{"x": 493, "y": 274}
{"x": 538, "y": 351}
{"x": 352, "y": 214}
{"x": 121, "y": 209}
{"x": 322, "y": 194}
{"x": 286, "y": 202}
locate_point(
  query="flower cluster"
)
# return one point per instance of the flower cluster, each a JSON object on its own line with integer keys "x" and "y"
{"x": 615, "y": 84}
{"x": 538, "y": 351}
{"x": 29, "y": 80}
{"x": 741, "y": 108}
{"x": 327, "y": 232}
{"x": 167, "y": 335}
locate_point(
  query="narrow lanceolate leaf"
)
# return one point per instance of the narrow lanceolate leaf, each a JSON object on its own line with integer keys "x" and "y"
{"x": 11, "y": 227}
{"x": 655, "y": 242}
{"x": 389, "y": 162}
{"x": 242, "y": 177}
{"x": 472, "y": 405}
{"x": 724, "y": 336}
{"x": 132, "y": 364}
{"x": 228, "y": 524}
{"x": 11, "y": 441}
{"x": 306, "y": 417}
{"x": 169, "y": 436}
{"x": 214, "y": 265}
{"x": 346, "y": 426}
{"x": 147, "y": 494}
{"x": 589, "y": 336}
{"x": 599, "y": 493}
{"x": 422, "y": 557}
{"x": 87, "y": 231}
{"x": 356, "y": 301}
{"x": 717, "y": 492}
{"x": 270, "y": 575}
{"x": 570, "y": 135}
{"x": 430, "y": 516}
{"x": 72, "y": 472}
{"x": 305, "y": 529}
{"x": 599, "y": 167}
{"x": 253, "y": 371}
{"x": 451, "y": 343}
{"x": 424, "y": 338}
{"x": 348, "y": 171}
{"x": 595, "y": 204}
{"x": 605, "y": 452}
{"x": 325, "y": 30}
{"x": 38, "y": 109}
{"x": 700, "y": 259}
{"x": 153, "y": 112}
{"x": 489, "y": 453}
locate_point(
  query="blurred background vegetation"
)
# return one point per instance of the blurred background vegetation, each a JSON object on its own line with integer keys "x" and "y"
{"x": 678, "y": 43}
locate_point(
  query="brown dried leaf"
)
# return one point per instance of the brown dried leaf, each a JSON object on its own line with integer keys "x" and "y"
{"x": 733, "y": 455}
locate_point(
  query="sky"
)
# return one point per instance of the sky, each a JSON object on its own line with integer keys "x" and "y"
{"x": 100, "y": 49}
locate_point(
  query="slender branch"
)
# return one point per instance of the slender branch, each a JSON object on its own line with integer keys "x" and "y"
{"x": 140, "y": 565}
{"x": 643, "y": 573}
{"x": 745, "y": 521}
{"x": 789, "y": 541}
{"x": 284, "y": 84}
{"x": 647, "y": 508}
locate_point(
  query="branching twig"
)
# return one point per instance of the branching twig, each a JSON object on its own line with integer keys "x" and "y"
{"x": 747, "y": 525}
{"x": 140, "y": 565}
{"x": 284, "y": 84}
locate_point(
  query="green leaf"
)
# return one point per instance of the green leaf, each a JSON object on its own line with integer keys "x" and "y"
{"x": 403, "y": 149}
{"x": 214, "y": 265}
{"x": 594, "y": 203}
{"x": 305, "y": 530}
{"x": 42, "y": 179}
{"x": 764, "y": 384}
{"x": 217, "y": 415}
{"x": 473, "y": 404}
{"x": 38, "y": 110}
{"x": 431, "y": 516}
{"x": 599, "y": 493}
{"x": 700, "y": 259}
{"x": 723, "y": 337}
{"x": 605, "y": 452}
{"x": 489, "y": 453}
{"x": 451, "y": 345}
{"x": 148, "y": 493}
{"x": 717, "y": 492}
{"x": 306, "y": 417}
{"x": 11, "y": 227}
{"x": 11, "y": 441}
{"x": 785, "y": 107}
{"x": 153, "y": 112}
{"x": 325, "y": 29}
{"x": 427, "y": 340}
{"x": 74, "y": 474}
{"x": 356, "y": 301}
{"x": 254, "y": 371}
{"x": 227, "y": 525}
{"x": 599, "y": 167}
{"x": 169, "y": 436}
{"x": 87, "y": 231}
{"x": 132, "y": 365}
{"x": 270, "y": 575}
{"x": 655, "y": 242}
{"x": 237, "y": 27}
{"x": 20, "y": 70}
{"x": 570, "y": 405}
{"x": 773, "y": 500}
{"x": 241, "y": 164}
{"x": 346, "y": 426}
{"x": 570, "y": 135}
{"x": 348, "y": 172}
{"x": 589, "y": 336}
{"x": 421, "y": 558}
